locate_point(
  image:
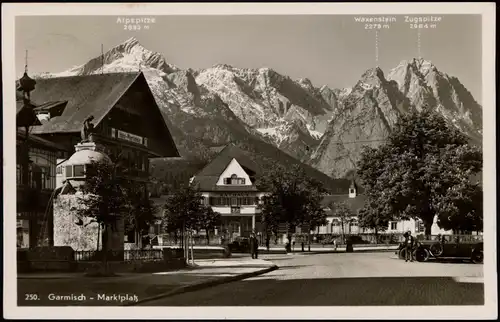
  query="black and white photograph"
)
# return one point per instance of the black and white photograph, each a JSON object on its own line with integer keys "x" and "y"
{"x": 287, "y": 160}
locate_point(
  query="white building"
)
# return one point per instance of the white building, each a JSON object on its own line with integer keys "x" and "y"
{"x": 227, "y": 184}
{"x": 352, "y": 195}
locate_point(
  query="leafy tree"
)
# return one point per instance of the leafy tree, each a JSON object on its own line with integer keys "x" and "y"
{"x": 342, "y": 211}
{"x": 182, "y": 210}
{"x": 374, "y": 216}
{"x": 413, "y": 173}
{"x": 208, "y": 220}
{"x": 292, "y": 198}
{"x": 105, "y": 197}
{"x": 461, "y": 208}
{"x": 142, "y": 212}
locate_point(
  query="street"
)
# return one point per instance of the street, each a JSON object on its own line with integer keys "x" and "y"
{"x": 345, "y": 279}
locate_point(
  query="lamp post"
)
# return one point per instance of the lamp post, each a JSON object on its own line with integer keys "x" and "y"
{"x": 27, "y": 118}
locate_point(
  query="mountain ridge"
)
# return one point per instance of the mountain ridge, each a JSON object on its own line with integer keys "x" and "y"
{"x": 220, "y": 104}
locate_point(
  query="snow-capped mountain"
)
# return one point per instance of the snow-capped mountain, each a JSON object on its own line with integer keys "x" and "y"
{"x": 273, "y": 104}
{"x": 370, "y": 109}
{"x": 198, "y": 117}
{"x": 267, "y": 111}
{"x": 424, "y": 84}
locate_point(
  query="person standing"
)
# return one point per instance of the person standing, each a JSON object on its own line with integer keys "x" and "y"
{"x": 254, "y": 246}
{"x": 267, "y": 242}
{"x": 409, "y": 243}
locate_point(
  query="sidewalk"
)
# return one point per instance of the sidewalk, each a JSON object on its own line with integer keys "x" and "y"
{"x": 131, "y": 289}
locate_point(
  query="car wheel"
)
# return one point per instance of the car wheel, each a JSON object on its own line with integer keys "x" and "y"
{"x": 437, "y": 249}
{"x": 422, "y": 255}
{"x": 477, "y": 257}
{"x": 402, "y": 253}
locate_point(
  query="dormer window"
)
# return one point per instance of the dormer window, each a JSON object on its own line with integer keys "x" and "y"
{"x": 234, "y": 180}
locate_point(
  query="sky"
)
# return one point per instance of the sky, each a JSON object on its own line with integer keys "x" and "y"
{"x": 331, "y": 50}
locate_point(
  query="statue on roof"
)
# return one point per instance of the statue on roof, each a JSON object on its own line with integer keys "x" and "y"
{"x": 87, "y": 129}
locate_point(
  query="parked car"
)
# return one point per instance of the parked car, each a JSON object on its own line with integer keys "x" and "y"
{"x": 240, "y": 245}
{"x": 451, "y": 246}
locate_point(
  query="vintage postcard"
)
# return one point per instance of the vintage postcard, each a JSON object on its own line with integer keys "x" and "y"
{"x": 260, "y": 161}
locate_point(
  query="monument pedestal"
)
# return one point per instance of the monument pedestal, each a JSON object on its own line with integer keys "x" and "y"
{"x": 86, "y": 236}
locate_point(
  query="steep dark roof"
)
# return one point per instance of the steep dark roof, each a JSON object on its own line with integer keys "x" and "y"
{"x": 86, "y": 95}
{"x": 221, "y": 161}
{"x": 21, "y": 133}
{"x": 206, "y": 179}
{"x": 354, "y": 204}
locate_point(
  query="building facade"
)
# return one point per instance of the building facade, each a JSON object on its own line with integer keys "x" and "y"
{"x": 35, "y": 193}
{"x": 354, "y": 199}
{"x": 35, "y": 172}
{"x": 227, "y": 185}
{"x": 116, "y": 114}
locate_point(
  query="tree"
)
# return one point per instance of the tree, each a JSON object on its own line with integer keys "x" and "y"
{"x": 342, "y": 211}
{"x": 292, "y": 198}
{"x": 182, "y": 210}
{"x": 373, "y": 216}
{"x": 143, "y": 212}
{"x": 461, "y": 208}
{"x": 208, "y": 220}
{"x": 412, "y": 174}
{"x": 105, "y": 197}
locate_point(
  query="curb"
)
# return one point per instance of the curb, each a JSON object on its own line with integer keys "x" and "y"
{"x": 44, "y": 277}
{"x": 202, "y": 285}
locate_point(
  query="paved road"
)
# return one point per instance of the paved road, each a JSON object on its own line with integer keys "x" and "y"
{"x": 345, "y": 279}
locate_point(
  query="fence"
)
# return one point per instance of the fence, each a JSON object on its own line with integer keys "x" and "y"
{"x": 214, "y": 240}
{"x": 127, "y": 255}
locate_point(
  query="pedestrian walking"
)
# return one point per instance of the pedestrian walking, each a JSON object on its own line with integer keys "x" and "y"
{"x": 335, "y": 244}
{"x": 409, "y": 244}
{"x": 267, "y": 242}
{"x": 254, "y": 246}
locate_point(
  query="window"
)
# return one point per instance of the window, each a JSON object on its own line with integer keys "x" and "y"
{"x": 79, "y": 170}
{"x": 18, "y": 173}
{"x": 394, "y": 225}
{"x": 234, "y": 180}
{"x": 59, "y": 170}
{"x": 69, "y": 171}
{"x": 36, "y": 179}
{"x": 351, "y": 190}
{"x": 420, "y": 226}
{"x": 45, "y": 177}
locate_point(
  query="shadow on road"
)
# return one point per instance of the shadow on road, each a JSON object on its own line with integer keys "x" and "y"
{"x": 451, "y": 261}
{"x": 380, "y": 291}
{"x": 292, "y": 266}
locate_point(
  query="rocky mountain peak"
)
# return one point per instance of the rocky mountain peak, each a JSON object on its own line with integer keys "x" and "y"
{"x": 373, "y": 74}
{"x": 125, "y": 57}
{"x": 306, "y": 83}
{"x": 131, "y": 42}
{"x": 223, "y": 66}
{"x": 326, "y": 127}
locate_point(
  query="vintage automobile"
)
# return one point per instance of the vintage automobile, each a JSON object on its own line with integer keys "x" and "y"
{"x": 449, "y": 246}
{"x": 240, "y": 245}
